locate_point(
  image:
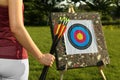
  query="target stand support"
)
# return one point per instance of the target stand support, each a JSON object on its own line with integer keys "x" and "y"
{"x": 101, "y": 65}
{"x": 62, "y": 72}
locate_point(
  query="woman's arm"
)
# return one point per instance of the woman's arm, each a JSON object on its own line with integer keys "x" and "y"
{"x": 19, "y": 31}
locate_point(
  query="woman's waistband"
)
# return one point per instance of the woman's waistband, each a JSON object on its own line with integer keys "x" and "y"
{"x": 11, "y": 52}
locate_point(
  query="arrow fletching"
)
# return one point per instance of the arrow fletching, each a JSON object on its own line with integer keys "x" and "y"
{"x": 57, "y": 26}
{"x": 63, "y": 27}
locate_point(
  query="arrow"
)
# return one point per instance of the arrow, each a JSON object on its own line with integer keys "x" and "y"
{"x": 59, "y": 30}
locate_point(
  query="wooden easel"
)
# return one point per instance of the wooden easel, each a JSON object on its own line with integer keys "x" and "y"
{"x": 100, "y": 64}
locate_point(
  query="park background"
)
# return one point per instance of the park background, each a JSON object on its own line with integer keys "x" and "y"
{"x": 37, "y": 23}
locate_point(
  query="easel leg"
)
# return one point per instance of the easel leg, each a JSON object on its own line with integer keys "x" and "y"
{"x": 102, "y": 73}
{"x": 71, "y": 9}
{"x": 61, "y": 75}
{"x": 100, "y": 67}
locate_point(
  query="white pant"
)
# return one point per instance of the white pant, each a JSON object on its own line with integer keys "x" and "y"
{"x": 11, "y": 69}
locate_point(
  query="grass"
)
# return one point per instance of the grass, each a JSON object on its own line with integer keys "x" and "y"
{"x": 42, "y": 37}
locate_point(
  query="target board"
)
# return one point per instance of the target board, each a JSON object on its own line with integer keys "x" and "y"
{"x": 83, "y": 43}
{"x": 80, "y": 38}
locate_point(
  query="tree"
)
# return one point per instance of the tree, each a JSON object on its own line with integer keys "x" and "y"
{"x": 102, "y": 6}
{"x": 117, "y": 8}
{"x": 33, "y": 15}
{"x": 37, "y": 11}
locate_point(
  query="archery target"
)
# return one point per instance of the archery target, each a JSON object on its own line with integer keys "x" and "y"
{"x": 80, "y": 37}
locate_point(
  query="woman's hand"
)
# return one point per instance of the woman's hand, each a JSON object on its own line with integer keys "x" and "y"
{"x": 47, "y": 59}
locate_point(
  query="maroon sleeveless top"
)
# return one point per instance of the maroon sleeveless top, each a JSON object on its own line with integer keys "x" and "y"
{"x": 9, "y": 46}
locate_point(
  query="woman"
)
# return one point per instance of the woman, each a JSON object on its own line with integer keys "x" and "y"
{"x": 14, "y": 41}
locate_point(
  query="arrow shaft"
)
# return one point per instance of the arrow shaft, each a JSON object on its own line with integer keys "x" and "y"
{"x": 60, "y": 29}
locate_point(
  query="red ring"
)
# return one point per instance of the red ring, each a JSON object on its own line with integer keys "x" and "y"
{"x": 83, "y": 34}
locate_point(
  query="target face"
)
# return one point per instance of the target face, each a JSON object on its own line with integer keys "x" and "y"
{"x": 79, "y": 36}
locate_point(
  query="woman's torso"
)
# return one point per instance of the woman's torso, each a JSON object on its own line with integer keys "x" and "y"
{"x": 9, "y": 46}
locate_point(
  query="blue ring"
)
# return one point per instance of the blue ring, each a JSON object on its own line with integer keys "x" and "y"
{"x": 83, "y": 30}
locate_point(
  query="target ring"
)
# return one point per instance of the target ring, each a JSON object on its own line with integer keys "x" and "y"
{"x": 79, "y": 36}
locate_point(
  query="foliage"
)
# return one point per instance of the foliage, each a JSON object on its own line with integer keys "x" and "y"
{"x": 100, "y": 5}
{"x": 37, "y": 12}
{"x": 117, "y": 8}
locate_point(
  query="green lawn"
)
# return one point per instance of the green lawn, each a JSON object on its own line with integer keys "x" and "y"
{"x": 42, "y": 37}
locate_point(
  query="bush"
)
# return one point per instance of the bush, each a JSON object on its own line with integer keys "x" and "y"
{"x": 106, "y": 18}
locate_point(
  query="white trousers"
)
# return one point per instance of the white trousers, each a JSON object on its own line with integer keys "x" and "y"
{"x": 11, "y": 69}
